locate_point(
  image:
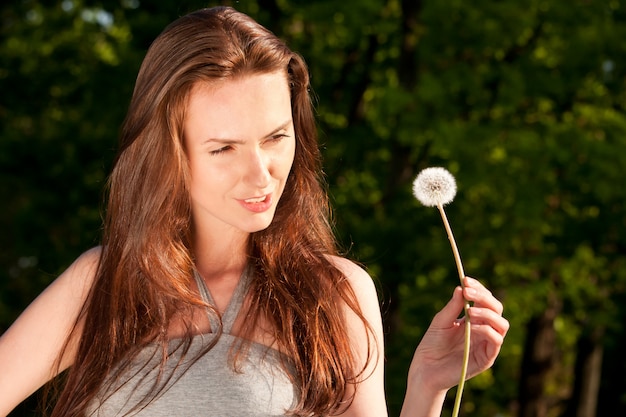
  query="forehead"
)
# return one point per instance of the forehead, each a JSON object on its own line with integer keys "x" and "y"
{"x": 238, "y": 107}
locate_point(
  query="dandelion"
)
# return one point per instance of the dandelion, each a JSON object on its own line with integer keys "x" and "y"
{"x": 435, "y": 187}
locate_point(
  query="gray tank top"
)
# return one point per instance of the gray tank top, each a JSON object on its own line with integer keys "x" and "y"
{"x": 208, "y": 387}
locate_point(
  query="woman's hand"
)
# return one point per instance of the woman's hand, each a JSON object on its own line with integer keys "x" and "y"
{"x": 437, "y": 363}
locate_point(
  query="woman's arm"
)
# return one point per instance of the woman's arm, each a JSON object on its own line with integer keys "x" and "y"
{"x": 30, "y": 348}
{"x": 369, "y": 399}
{"x": 436, "y": 365}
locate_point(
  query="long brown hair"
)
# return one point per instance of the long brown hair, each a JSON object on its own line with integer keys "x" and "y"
{"x": 146, "y": 266}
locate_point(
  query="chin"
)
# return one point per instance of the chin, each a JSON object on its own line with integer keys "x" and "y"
{"x": 258, "y": 222}
{"x": 259, "y": 227}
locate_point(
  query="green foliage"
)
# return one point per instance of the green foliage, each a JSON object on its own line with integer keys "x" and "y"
{"x": 522, "y": 101}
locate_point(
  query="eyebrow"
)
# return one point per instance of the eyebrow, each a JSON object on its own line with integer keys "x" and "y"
{"x": 227, "y": 141}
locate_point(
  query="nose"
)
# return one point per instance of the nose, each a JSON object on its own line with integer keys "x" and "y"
{"x": 258, "y": 169}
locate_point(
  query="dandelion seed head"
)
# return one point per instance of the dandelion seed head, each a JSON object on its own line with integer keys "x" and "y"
{"x": 434, "y": 186}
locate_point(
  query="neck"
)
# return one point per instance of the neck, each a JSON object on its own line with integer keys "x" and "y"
{"x": 220, "y": 254}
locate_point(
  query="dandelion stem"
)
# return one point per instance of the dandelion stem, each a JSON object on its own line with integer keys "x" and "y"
{"x": 466, "y": 347}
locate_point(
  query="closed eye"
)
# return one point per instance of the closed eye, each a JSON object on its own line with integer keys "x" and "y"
{"x": 277, "y": 137}
{"x": 221, "y": 150}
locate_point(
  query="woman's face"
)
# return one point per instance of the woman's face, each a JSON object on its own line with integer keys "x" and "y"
{"x": 240, "y": 142}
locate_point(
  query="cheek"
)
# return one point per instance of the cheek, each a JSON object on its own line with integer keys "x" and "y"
{"x": 288, "y": 160}
{"x": 196, "y": 173}
{"x": 206, "y": 176}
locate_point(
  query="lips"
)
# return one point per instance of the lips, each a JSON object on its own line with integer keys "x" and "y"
{"x": 255, "y": 200}
{"x": 257, "y": 204}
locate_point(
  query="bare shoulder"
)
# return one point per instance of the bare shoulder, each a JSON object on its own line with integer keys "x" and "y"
{"x": 359, "y": 279}
{"x": 74, "y": 283}
{"x": 361, "y": 282}
{"x": 367, "y": 341}
{"x": 30, "y": 350}
{"x": 69, "y": 290}
{"x": 80, "y": 274}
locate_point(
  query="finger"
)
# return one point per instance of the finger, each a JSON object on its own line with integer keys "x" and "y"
{"x": 486, "y": 317}
{"x": 484, "y": 356}
{"x": 450, "y": 312}
{"x": 486, "y": 339}
{"x": 476, "y": 292}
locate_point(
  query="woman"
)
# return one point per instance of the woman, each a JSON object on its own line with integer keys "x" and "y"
{"x": 218, "y": 289}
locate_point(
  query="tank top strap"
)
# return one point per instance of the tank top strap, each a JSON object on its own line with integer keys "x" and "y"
{"x": 234, "y": 305}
